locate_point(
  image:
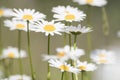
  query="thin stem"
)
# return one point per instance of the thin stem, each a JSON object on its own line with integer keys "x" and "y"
{"x": 75, "y": 46}
{"x": 0, "y": 37}
{"x": 62, "y": 76}
{"x": 65, "y": 37}
{"x": 89, "y": 36}
{"x": 19, "y": 48}
{"x": 48, "y": 74}
{"x": 105, "y": 22}
{"x": 70, "y": 40}
{"x": 82, "y": 75}
{"x": 29, "y": 52}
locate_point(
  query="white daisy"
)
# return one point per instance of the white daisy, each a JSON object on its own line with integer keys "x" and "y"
{"x": 63, "y": 66}
{"x": 68, "y": 13}
{"x": 77, "y": 29}
{"x": 75, "y": 54}
{"x": 13, "y": 25}
{"x": 18, "y": 77}
{"x": 84, "y": 66}
{"x": 5, "y": 12}
{"x": 11, "y": 52}
{"x": 62, "y": 54}
{"x": 27, "y": 14}
{"x": 49, "y": 28}
{"x": 98, "y": 3}
{"x": 103, "y": 56}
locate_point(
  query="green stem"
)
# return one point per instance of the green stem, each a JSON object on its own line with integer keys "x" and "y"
{"x": 75, "y": 46}
{"x": 89, "y": 36}
{"x": 19, "y": 48}
{"x": 65, "y": 37}
{"x": 48, "y": 74}
{"x": 62, "y": 75}
{"x": 82, "y": 75}
{"x": 29, "y": 52}
{"x": 105, "y": 22}
{"x": 0, "y": 37}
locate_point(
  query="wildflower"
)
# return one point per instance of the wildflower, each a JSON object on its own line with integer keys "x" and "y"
{"x": 77, "y": 29}
{"x": 63, "y": 66}
{"x": 15, "y": 25}
{"x": 11, "y": 52}
{"x": 84, "y": 66}
{"x": 98, "y": 3}
{"x": 18, "y": 77}
{"x": 5, "y": 12}
{"x": 27, "y": 14}
{"x": 49, "y": 28}
{"x": 103, "y": 56}
{"x": 68, "y": 14}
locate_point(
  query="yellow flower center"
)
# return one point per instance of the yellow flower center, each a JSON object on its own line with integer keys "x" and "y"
{"x": 61, "y": 54}
{"x": 28, "y": 17}
{"x": 11, "y": 55}
{"x": 49, "y": 28}
{"x": 64, "y": 67}
{"x": 102, "y": 61}
{"x": 102, "y": 55}
{"x": 20, "y": 26}
{"x": 82, "y": 67}
{"x": 69, "y": 17}
{"x": 1, "y": 12}
{"x": 89, "y": 1}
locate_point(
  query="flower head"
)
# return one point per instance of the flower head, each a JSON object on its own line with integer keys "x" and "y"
{"x": 98, "y": 3}
{"x": 49, "y": 28}
{"x": 18, "y": 77}
{"x": 68, "y": 13}
{"x": 27, "y": 14}
{"x": 13, "y": 25}
{"x": 77, "y": 30}
{"x": 103, "y": 56}
{"x": 63, "y": 66}
{"x": 5, "y": 12}
{"x": 84, "y": 66}
{"x": 11, "y": 52}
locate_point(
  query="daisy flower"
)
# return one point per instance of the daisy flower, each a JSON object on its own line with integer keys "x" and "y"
{"x": 98, "y": 3}
{"x": 75, "y": 54}
{"x": 49, "y": 28}
{"x": 18, "y": 77}
{"x": 27, "y": 14}
{"x": 12, "y": 52}
{"x": 77, "y": 29}
{"x": 84, "y": 66}
{"x": 103, "y": 56}
{"x": 68, "y": 14}
{"x": 62, "y": 54}
{"x": 16, "y": 25}
{"x": 63, "y": 66}
{"x": 5, "y": 12}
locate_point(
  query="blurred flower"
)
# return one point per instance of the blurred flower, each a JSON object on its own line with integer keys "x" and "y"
{"x": 66, "y": 53}
{"x": 63, "y": 66}
{"x": 77, "y": 29}
{"x": 118, "y": 33}
{"x": 98, "y": 3}
{"x": 27, "y": 14}
{"x": 49, "y": 28}
{"x": 5, "y": 12}
{"x": 84, "y": 66}
{"x": 18, "y": 77}
{"x": 68, "y": 13}
{"x": 103, "y": 56}
{"x": 11, "y": 52}
{"x": 13, "y": 25}
{"x": 62, "y": 54}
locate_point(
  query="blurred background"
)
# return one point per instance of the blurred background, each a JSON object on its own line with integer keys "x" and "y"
{"x": 39, "y": 40}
